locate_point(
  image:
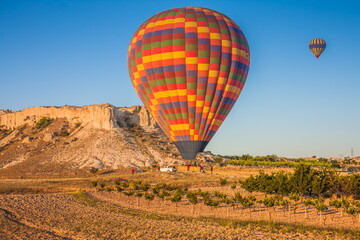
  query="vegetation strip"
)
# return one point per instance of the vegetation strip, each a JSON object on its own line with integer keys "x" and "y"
{"x": 269, "y": 226}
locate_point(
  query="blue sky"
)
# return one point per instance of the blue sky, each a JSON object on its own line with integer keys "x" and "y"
{"x": 75, "y": 53}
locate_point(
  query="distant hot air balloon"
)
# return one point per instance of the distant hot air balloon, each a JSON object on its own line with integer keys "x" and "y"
{"x": 317, "y": 46}
{"x": 188, "y": 65}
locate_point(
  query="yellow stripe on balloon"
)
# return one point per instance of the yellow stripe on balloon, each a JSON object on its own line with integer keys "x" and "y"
{"x": 203, "y": 29}
{"x": 171, "y": 93}
{"x": 203, "y": 66}
{"x": 215, "y": 36}
{"x": 179, "y": 20}
{"x": 191, "y": 24}
{"x": 140, "y": 67}
{"x": 225, "y": 43}
{"x": 178, "y": 127}
{"x": 191, "y": 98}
{"x": 163, "y": 56}
{"x": 213, "y": 73}
{"x": 199, "y": 103}
{"x": 191, "y": 60}
{"x": 169, "y": 21}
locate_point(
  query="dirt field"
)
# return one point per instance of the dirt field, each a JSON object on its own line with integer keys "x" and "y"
{"x": 66, "y": 216}
{"x": 57, "y": 209}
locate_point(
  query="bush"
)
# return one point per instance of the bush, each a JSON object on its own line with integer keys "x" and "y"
{"x": 43, "y": 122}
{"x": 130, "y": 193}
{"x": 149, "y": 196}
{"x": 176, "y": 198}
{"x": 94, "y": 183}
{"x": 64, "y": 133}
{"x": 93, "y": 170}
{"x": 223, "y": 181}
{"x": 192, "y": 197}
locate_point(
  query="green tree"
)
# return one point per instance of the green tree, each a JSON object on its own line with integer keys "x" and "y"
{"x": 229, "y": 202}
{"x": 336, "y": 203}
{"x": 176, "y": 198}
{"x": 192, "y": 197}
{"x": 149, "y": 196}
{"x": 301, "y": 180}
{"x": 307, "y": 202}
{"x": 321, "y": 182}
{"x": 43, "y": 122}
{"x": 352, "y": 211}
{"x": 269, "y": 202}
{"x": 162, "y": 194}
{"x": 320, "y": 207}
{"x": 138, "y": 195}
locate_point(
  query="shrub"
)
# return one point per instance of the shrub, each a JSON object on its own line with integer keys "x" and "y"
{"x": 125, "y": 184}
{"x": 64, "y": 133}
{"x": 176, "y": 198}
{"x": 149, "y": 197}
{"x": 192, "y": 197}
{"x": 93, "y": 170}
{"x": 43, "y": 122}
{"x": 145, "y": 186}
{"x": 163, "y": 194}
{"x": 94, "y": 183}
{"x": 223, "y": 181}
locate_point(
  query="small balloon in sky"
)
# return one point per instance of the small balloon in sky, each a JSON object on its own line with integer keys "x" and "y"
{"x": 188, "y": 65}
{"x": 317, "y": 46}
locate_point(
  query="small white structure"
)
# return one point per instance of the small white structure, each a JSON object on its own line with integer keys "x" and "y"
{"x": 168, "y": 169}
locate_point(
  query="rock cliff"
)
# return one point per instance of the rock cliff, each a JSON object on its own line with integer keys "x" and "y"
{"x": 103, "y": 116}
{"x": 61, "y": 139}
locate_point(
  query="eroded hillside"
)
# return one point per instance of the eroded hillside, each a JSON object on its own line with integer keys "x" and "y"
{"x": 55, "y": 140}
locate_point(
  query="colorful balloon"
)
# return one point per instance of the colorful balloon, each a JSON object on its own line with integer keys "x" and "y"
{"x": 188, "y": 65}
{"x": 317, "y": 46}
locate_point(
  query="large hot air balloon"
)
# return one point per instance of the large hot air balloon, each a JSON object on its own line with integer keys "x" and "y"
{"x": 317, "y": 46}
{"x": 188, "y": 65}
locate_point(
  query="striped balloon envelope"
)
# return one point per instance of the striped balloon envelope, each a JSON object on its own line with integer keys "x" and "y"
{"x": 317, "y": 46}
{"x": 188, "y": 65}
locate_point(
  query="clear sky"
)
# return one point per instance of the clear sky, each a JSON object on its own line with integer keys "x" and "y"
{"x": 75, "y": 53}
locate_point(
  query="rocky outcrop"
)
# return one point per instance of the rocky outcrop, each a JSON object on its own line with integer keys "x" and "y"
{"x": 137, "y": 115}
{"x": 4, "y": 111}
{"x": 101, "y": 136}
{"x": 103, "y": 116}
